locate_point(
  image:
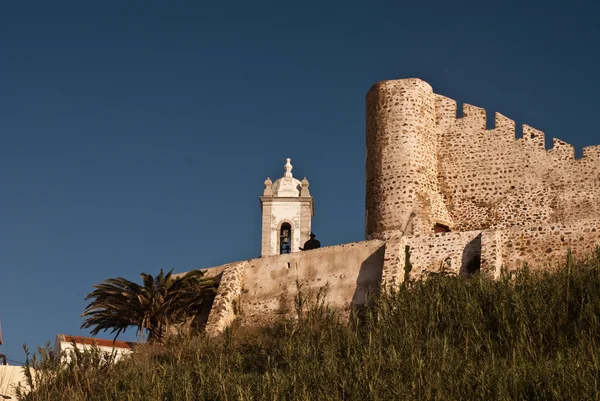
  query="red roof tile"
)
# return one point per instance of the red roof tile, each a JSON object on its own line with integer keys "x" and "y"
{"x": 98, "y": 341}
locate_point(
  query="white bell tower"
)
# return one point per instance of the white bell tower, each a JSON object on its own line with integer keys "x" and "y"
{"x": 287, "y": 210}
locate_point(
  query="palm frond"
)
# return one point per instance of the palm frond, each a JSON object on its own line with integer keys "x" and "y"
{"x": 161, "y": 301}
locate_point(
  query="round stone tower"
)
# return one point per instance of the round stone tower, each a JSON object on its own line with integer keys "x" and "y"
{"x": 402, "y": 194}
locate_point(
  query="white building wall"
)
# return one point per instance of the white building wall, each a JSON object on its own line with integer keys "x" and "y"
{"x": 68, "y": 348}
{"x": 11, "y": 376}
{"x": 285, "y": 212}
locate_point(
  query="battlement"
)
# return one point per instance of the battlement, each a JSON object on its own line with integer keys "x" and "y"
{"x": 592, "y": 152}
{"x": 444, "y": 193}
{"x": 428, "y": 165}
{"x": 473, "y": 121}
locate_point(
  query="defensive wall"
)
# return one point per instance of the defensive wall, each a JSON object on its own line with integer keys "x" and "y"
{"x": 488, "y": 251}
{"x": 443, "y": 193}
{"x": 491, "y": 179}
{"x": 426, "y": 167}
{"x": 261, "y": 289}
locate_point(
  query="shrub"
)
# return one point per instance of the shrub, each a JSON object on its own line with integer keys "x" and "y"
{"x": 528, "y": 335}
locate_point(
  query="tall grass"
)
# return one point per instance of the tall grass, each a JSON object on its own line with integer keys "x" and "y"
{"x": 525, "y": 336}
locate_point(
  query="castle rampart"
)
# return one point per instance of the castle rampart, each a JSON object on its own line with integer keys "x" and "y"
{"x": 465, "y": 252}
{"x": 515, "y": 196}
{"x": 426, "y": 166}
{"x": 443, "y": 194}
{"x": 491, "y": 179}
{"x": 261, "y": 289}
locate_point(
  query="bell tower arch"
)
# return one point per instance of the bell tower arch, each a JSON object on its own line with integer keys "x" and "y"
{"x": 287, "y": 211}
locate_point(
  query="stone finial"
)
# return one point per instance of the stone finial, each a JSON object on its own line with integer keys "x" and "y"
{"x": 268, "y": 187}
{"x": 288, "y": 168}
{"x": 304, "y": 191}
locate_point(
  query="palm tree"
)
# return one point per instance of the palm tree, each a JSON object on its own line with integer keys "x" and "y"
{"x": 161, "y": 303}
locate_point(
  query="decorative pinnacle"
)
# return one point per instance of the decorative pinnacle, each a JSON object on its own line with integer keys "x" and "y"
{"x": 268, "y": 187}
{"x": 304, "y": 191}
{"x": 288, "y": 168}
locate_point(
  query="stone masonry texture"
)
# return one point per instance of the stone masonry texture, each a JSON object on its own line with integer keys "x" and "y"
{"x": 401, "y": 169}
{"x": 259, "y": 290}
{"x": 489, "y": 179}
{"x": 443, "y": 194}
{"x": 227, "y": 300}
{"x": 425, "y": 167}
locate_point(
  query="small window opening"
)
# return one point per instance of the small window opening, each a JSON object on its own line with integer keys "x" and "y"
{"x": 285, "y": 238}
{"x": 441, "y": 228}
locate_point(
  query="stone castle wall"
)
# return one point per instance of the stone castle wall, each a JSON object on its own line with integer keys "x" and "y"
{"x": 226, "y": 303}
{"x": 542, "y": 246}
{"x": 464, "y": 252}
{"x": 259, "y": 290}
{"x": 454, "y": 252}
{"x": 505, "y": 200}
{"x": 490, "y": 179}
{"x": 425, "y": 166}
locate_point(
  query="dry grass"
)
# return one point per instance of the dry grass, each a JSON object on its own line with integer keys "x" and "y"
{"x": 525, "y": 336}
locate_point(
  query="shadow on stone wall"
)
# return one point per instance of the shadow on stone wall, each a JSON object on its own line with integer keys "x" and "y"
{"x": 369, "y": 276}
{"x": 471, "y": 257}
{"x": 204, "y": 309}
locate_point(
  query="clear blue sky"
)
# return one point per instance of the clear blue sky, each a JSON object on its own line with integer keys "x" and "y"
{"x": 137, "y": 135}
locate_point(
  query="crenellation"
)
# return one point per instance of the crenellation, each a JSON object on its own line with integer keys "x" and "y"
{"x": 486, "y": 179}
{"x": 475, "y": 115}
{"x": 534, "y": 137}
{"x": 443, "y": 195}
{"x": 473, "y": 122}
{"x": 445, "y": 112}
{"x": 504, "y": 129}
{"x": 562, "y": 150}
{"x": 592, "y": 152}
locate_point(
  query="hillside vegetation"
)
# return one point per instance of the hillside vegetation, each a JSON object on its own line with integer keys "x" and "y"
{"x": 524, "y": 336}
